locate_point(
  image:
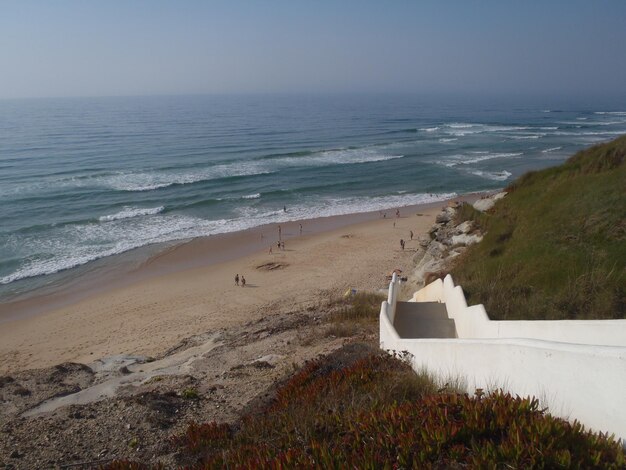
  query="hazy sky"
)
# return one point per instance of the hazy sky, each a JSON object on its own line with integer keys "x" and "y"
{"x": 107, "y": 47}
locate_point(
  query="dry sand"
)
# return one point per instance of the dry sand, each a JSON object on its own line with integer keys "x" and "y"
{"x": 190, "y": 290}
{"x": 228, "y": 345}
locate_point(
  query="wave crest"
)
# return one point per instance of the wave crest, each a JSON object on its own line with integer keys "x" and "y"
{"x": 492, "y": 175}
{"x": 129, "y": 212}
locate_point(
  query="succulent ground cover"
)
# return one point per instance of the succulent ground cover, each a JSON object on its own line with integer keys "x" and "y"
{"x": 361, "y": 409}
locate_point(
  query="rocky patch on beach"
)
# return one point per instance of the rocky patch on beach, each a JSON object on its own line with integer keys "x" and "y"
{"x": 447, "y": 239}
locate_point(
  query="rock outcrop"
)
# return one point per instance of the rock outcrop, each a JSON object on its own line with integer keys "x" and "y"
{"x": 487, "y": 203}
{"x": 447, "y": 239}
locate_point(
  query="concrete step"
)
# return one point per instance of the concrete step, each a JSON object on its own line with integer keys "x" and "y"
{"x": 425, "y": 310}
{"x": 423, "y": 320}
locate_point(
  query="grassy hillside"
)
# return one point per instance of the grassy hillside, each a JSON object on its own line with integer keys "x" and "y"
{"x": 555, "y": 247}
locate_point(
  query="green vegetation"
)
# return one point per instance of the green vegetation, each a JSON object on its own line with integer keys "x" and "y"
{"x": 360, "y": 409}
{"x": 467, "y": 212}
{"x": 354, "y": 312}
{"x": 190, "y": 394}
{"x": 555, "y": 247}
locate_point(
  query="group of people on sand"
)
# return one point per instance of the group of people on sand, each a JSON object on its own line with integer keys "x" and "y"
{"x": 280, "y": 244}
{"x": 403, "y": 242}
{"x": 243, "y": 280}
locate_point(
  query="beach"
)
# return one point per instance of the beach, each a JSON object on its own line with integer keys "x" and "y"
{"x": 190, "y": 289}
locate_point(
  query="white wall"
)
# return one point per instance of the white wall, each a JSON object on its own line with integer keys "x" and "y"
{"x": 473, "y": 322}
{"x": 563, "y": 363}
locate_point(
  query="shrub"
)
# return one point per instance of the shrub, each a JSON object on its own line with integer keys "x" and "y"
{"x": 360, "y": 307}
{"x": 190, "y": 394}
{"x": 376, "y": 413}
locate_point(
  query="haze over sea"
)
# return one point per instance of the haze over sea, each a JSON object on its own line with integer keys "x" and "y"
{"x": 85, "y": 179}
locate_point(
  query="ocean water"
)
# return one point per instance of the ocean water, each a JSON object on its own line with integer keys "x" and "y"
{"x": 85, "y": 179}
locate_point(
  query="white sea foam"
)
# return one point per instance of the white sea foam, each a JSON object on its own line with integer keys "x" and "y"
{"x": 595, "y": 123}
{"x": 584, "y": 133}
{"x": 493, "y": 155}
{"x": 337, "y": 157}
{"x": 128, "y": 212}
{"x": 251, "y": 196}
{"x": 448, "y": 140}
{"x": 461, "y": 129}
{"x": 70, "y": 246}
{"x": 74, "y": 245}
{"x": 159, "y": 179}
{"x": 616, "y": 113}
{"x": 492, "y": 175}
{"x": 524, "y": 137}
{"x": 608, "y": 123}
{"x": 429, "y": 129}
{"x": 339, "y": 206}
{"x": 462, "y": 159}
{"x": 553, "y": 149}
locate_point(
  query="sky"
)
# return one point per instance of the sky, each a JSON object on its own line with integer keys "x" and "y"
{"x": 151, "y": 47}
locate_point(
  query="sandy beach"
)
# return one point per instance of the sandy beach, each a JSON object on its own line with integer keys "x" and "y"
{"x": 191, "y": 290}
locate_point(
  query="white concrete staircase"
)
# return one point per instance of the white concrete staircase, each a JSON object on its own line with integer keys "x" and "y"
{"x": 575, "y": 367}
{"x": 423, "y": 320}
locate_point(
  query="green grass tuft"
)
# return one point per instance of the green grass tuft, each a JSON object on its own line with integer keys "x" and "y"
{"x": 190, "y": 394}
{"x": 360, "y": 307}
{"x": 354, "y": 313}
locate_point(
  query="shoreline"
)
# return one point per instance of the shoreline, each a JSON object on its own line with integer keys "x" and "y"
{"x": 110, "y": 314}
{"x": 143, "y": 263}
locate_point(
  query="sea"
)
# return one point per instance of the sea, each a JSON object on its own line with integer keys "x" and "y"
{"x": 86, "y": 179}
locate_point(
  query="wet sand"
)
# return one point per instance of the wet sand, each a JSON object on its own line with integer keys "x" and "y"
{"x": 189, "y": 289}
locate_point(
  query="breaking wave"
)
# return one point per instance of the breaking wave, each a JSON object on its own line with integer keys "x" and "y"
{"x": 129, "y": 212}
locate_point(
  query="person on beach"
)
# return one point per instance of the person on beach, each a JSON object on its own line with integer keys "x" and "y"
{"x": 300, "y": 229}
{"x": 284, "y": 208}
{"x": 243, "y": 281}
{"x": 397, "y": 212}
{"x": 411, "y": 233}
{"x": 279, "y": 232}
{"x": 278, "y": 244}
{"x": 402, "y": 243}
{"x": 236, "y": 279}
{"x": 282, "y": 246}
{"x": 270, "y": 249}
